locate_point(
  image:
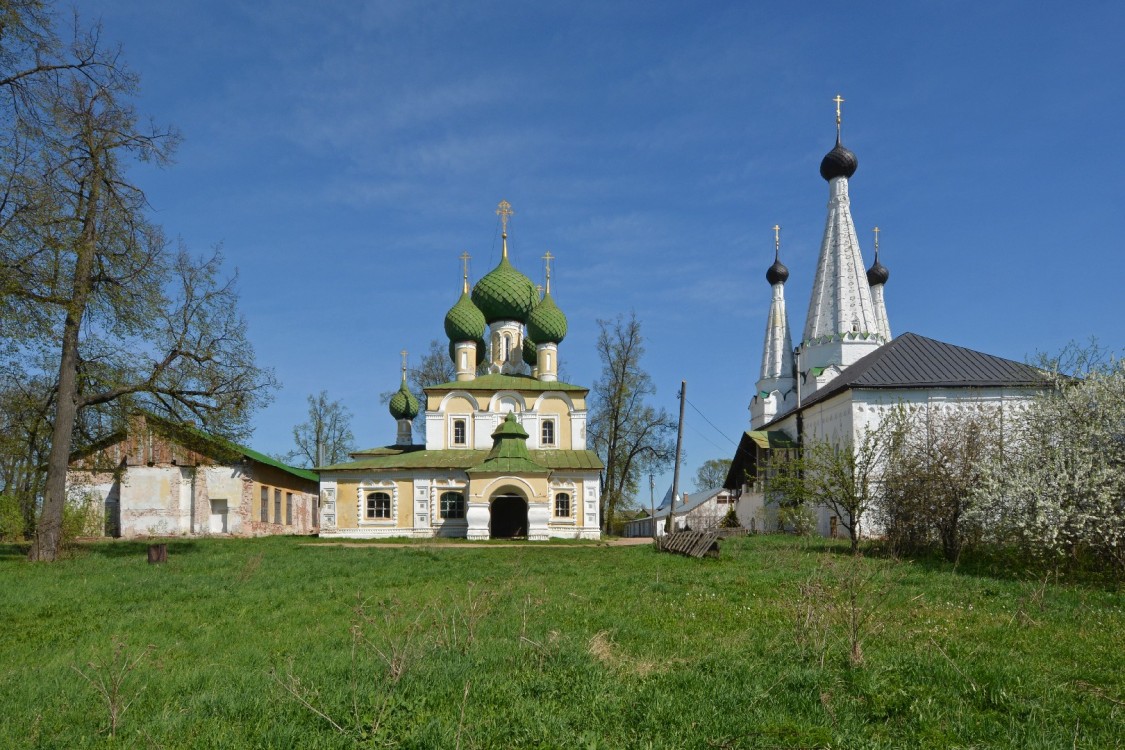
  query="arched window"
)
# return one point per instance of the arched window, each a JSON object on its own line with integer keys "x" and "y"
{"x": 378, "y": 505}
{"x": 505, "y": 348}
{"x": 459, "y": 435}
{"x": 547, "y": 432}
{"x": 452, "y": 505}
{"x": 562, "y": 505}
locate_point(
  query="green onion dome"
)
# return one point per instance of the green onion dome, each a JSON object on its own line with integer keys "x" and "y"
{"x": 505, "y": 294}
{"x": 480, "y": 350}
{"x": 464, "y": 321}
{"x": 403, "y": 404}
{"x": 546, "y": 324}
{"x": 530, "y": 354}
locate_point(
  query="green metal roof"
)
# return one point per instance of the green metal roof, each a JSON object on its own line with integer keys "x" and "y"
{"x": 497, "y": 382}
{"x": 771, "y": 439}
{"x": 505, "y": 294}
{"x": 221, "y": 447}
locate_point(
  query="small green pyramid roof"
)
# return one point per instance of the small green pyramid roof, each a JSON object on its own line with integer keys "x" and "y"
{"x": 504, "y": 293}
{"x": 464, "y": 321}
{"x": 509, "y": 453}
{"x": 547, "y": 324}
{"x": 403, "y": 404}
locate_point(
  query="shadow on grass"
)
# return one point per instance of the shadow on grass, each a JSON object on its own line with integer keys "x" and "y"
{"x": 17, "y": 552}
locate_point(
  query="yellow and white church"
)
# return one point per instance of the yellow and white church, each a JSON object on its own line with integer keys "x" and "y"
{"x": 505, "y": 453}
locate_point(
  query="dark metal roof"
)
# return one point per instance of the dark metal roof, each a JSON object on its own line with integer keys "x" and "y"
{"x": 913, "y": 361}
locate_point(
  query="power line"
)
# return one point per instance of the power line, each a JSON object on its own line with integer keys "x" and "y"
{"x": 708, "y": 421}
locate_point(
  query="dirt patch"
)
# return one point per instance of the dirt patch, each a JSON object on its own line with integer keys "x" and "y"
{"x": 602, "y": 648}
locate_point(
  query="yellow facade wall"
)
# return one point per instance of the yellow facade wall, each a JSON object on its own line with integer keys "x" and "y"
{"x": 348, "y": 507}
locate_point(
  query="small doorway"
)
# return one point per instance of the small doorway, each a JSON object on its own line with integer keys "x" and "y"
{"x": 218, "y": 517}
{"x": 509, "y": 517}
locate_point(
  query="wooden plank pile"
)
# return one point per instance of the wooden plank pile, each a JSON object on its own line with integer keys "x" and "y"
{"x": 691, "y": 543}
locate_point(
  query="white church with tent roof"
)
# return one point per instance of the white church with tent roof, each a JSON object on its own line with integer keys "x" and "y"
{"x": 848, "y": 370}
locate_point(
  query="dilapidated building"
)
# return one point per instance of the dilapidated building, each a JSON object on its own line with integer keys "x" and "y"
{"x": 157, "y": 477}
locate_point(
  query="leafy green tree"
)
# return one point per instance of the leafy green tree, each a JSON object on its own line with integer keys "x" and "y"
{"x": 631, "y": 436}
{"x": 712, "y": 474}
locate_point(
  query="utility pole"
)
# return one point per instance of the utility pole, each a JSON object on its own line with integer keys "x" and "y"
{"x": 652, "y": 504}
{"x": 676, "y": 472}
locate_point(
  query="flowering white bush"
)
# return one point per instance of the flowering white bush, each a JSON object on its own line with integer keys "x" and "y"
{"x": 1059, "y": 485}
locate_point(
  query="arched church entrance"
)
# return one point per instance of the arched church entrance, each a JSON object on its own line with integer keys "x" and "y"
{"x": 509, "y": 517}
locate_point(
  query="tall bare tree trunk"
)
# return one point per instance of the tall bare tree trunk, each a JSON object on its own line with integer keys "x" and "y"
{"x": 48, "y": 532}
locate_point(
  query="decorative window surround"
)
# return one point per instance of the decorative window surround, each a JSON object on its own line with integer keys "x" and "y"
{"x": 361, "y": 499}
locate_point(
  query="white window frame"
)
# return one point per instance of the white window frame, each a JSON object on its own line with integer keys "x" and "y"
{"x": 544, "y": 422}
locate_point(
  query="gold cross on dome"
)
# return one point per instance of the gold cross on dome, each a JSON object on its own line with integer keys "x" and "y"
{"x": 876, "y": 230}
{"x": 547, "y": 258}
{"x": 776, "y": 239}
{"x": 465, "y": 264}
{"x": 839, "y": 100}
{"x": 403, "y": 353}
{"x": 504, "y": 211}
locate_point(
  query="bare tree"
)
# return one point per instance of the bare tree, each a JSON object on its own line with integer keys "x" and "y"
{"x": 630, "y": 436}
{"x": 842, "y": 478}
{"x": 326, "y": 437}
{"x": 89, "y": 281}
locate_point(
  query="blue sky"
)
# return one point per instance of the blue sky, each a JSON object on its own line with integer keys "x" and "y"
{"x": 344, "y": 154}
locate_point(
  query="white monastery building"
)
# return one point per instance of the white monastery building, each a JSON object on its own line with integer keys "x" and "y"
{"x": 847, "y": 369}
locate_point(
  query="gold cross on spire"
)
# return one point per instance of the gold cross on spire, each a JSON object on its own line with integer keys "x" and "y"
{"x": 547, "y": 258}
{"x": 403, "y": 353}
{"x": 776, "y": 241}
{"x": 839, "y": 100}
{"x": 465, "y": 271}
{"x": 504, "y": 211}
{"x": 876, "y": 230}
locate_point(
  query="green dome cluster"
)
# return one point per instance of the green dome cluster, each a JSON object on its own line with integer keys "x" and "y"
{"x": 547, "y": 324}
{"x": 505, "y": 294}
{"x": 403, "y": 404}
{"x": 465, "y": 321}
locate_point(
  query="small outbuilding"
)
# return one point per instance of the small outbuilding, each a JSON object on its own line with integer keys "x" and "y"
{"x": 159, "y": 477}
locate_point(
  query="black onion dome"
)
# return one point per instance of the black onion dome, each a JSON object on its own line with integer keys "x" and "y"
{"x": 839, "y": 162}
{"x": 777, "y": 273}
{"x": 878, "y": 273}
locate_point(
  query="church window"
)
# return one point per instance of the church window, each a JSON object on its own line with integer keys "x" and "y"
{"x": 452, "y": 505}
{"x": 505, "y": 348}
{"x": 265, "y": 509}
{"x": 562, "y": 505}
{"x": 548, "y": 432}
{"x": 459, "y": 432}
{"x": 277, "y": 506}
{"x": 378, "y": 505}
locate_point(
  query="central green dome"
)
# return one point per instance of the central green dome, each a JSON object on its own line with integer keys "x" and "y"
{"x": 505, "y": 294}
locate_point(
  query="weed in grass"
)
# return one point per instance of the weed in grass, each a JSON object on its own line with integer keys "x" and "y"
{"x": 841, "y": 598}
{"x": 109, "y": 677}
{"x": 455, "y": 624}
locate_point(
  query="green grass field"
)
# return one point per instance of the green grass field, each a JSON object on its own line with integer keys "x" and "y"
{"x": 779, "y": 643}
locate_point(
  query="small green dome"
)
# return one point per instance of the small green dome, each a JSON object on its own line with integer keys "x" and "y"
{"x": 530, "y": 354}
{"x": 403, "y": 404}
{"x": 547, "y": 324}
{"x": 464, "y": 321}
{"x": 505, "y": 294}
{"x": 480, "y": 350}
